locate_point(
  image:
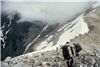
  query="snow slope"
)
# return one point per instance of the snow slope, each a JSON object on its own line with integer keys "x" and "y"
{"x": 67, "y": 32}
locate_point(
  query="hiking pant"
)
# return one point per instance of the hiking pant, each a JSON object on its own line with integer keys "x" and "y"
{"x": 70, "y": 62}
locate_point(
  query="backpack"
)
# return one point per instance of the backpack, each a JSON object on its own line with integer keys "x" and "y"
{"x": 78, "y": 48}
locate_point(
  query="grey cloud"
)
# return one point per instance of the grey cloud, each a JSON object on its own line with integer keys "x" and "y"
{"x": 51, "y": 12}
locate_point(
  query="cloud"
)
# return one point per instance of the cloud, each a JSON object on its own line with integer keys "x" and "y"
{"x": 51, "y": 12}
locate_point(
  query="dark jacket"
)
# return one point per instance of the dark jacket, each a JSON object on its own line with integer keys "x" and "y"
{"x": 65, "y": 52}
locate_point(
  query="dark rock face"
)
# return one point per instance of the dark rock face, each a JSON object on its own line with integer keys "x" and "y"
{"x": 17, "y": 35}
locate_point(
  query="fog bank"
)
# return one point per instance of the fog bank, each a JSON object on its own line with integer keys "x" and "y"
{"x": 50, "y": 12}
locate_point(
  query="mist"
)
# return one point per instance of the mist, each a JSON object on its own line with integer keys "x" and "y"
{"x": 48, "y": 12}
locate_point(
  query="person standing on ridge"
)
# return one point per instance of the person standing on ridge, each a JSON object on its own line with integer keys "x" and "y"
{"x": 70, "y": 51}
{"x": 67, "y": 54}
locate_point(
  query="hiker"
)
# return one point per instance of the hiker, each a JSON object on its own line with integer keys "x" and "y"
{"x": 67, "y": 54}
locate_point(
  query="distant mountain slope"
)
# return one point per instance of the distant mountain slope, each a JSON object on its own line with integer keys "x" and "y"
{"x": 92, "y": 38}
{"x": 62, "y": 34}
